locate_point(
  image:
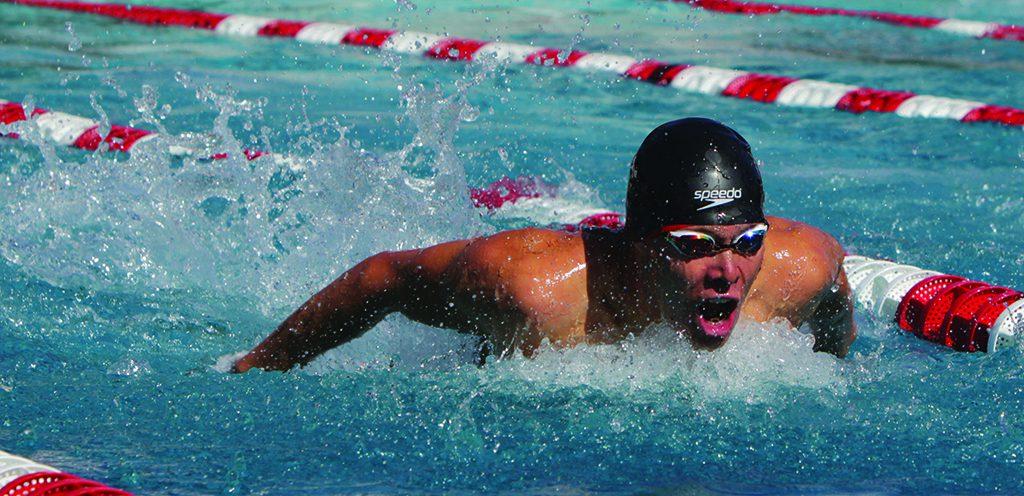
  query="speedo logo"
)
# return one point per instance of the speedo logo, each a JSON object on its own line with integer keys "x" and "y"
{"x": 717, "y": 197}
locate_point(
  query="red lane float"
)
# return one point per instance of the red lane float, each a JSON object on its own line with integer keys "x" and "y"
{"x": 23, "y": 477}
{"x": 508, "y": 190}
{"x": 764, "y": 88}
{"x": 976, "y": 29}
{"x": 949, "y": 310}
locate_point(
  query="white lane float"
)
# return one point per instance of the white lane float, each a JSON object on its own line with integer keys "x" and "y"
{"x": 23, "y": 477}
{"x": 976, "y": 29}
{"x": 12, "y": 467}
{"x": 949, "y": 310}
{"x": 764, "y": 88}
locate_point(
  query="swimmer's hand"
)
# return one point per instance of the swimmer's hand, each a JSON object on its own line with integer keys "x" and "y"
{"x": 242, "y": 365}
{"x": 262, "y": 359}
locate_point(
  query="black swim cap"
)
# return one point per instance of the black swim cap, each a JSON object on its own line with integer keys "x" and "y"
{"x": 693, "y": 171}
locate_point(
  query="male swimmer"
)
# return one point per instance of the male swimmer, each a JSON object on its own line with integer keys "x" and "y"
{"x": 696, "y": 253}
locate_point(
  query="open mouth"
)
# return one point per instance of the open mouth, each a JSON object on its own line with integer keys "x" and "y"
{"x": 717, "y": 316}
{"x": 716, "y": 309}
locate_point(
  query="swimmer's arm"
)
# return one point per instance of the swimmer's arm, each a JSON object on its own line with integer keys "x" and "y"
{"x": 350, "y": 306}
{"x": 832, "y": 321}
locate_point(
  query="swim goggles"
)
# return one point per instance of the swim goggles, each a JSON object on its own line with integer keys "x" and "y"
{"x": 696, "y": 244}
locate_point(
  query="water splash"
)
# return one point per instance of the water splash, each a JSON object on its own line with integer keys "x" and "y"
{"x": 758, "y": 361}
{"x": 256, "y": 231}
{"x": 76, "y": 43}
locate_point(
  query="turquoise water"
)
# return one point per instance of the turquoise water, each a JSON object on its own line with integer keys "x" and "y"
{"x": 126, "y": 282}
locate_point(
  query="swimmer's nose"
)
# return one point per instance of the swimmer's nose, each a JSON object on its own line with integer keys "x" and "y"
{"x": 722, "y": 273}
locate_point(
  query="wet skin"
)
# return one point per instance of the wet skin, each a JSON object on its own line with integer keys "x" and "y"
{"x": 516, "y": 289}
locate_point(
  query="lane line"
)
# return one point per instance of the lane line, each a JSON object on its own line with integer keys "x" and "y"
{"x": 976, "y": 29}
{"x": 764, "y": 88}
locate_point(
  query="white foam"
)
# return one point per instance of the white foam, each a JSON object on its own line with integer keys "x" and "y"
{"x": 227, "y": 229}
{"x": 755, "y": 363}
{"x": 226, "y": 362}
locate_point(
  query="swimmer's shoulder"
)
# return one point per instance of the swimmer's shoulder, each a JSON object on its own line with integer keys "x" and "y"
{"x": 519, "y": 245}
{"x": 521, "y": 260}
{"x": 795, "y": 247}
{"x": 523, "y": 250}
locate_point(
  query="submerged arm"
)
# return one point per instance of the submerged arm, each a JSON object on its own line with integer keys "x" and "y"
{"x": 348, "y": 307}
{"x": 832, "y": 320}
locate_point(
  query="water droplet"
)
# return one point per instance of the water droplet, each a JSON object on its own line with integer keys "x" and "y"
{"x": 76, "y": 43}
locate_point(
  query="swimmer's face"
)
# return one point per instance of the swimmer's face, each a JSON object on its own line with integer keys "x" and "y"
{"x": 702, "y": 284}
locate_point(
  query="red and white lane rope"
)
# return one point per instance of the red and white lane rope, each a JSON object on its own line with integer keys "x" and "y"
{"x": 81, "y": 132}
{"x": 949, "y": 310}
{"x": 23, "y": 477}
{"x": 977, "y": 29}
{"x": 764, "y": 88}
{"x": 962, "y": 314}
{"x": 71, "y": 130}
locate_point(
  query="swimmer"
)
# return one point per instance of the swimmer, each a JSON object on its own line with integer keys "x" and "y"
{"x": 696, "y": 253}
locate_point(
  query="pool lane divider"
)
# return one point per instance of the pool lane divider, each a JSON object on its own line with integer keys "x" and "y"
{"x": 84, "y": 133}
{"x": 962, "y": 314}
{"x": 81, "y": 132}
{"x": 758, "y": 87}
{"x": 23, "y": 477}
{"x": 976, "y": 29}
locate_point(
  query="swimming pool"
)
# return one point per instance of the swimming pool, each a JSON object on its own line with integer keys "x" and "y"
{"x": 124, "y": 280}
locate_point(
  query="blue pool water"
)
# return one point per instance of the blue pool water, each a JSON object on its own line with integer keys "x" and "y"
{"x": 124, "y": 281}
